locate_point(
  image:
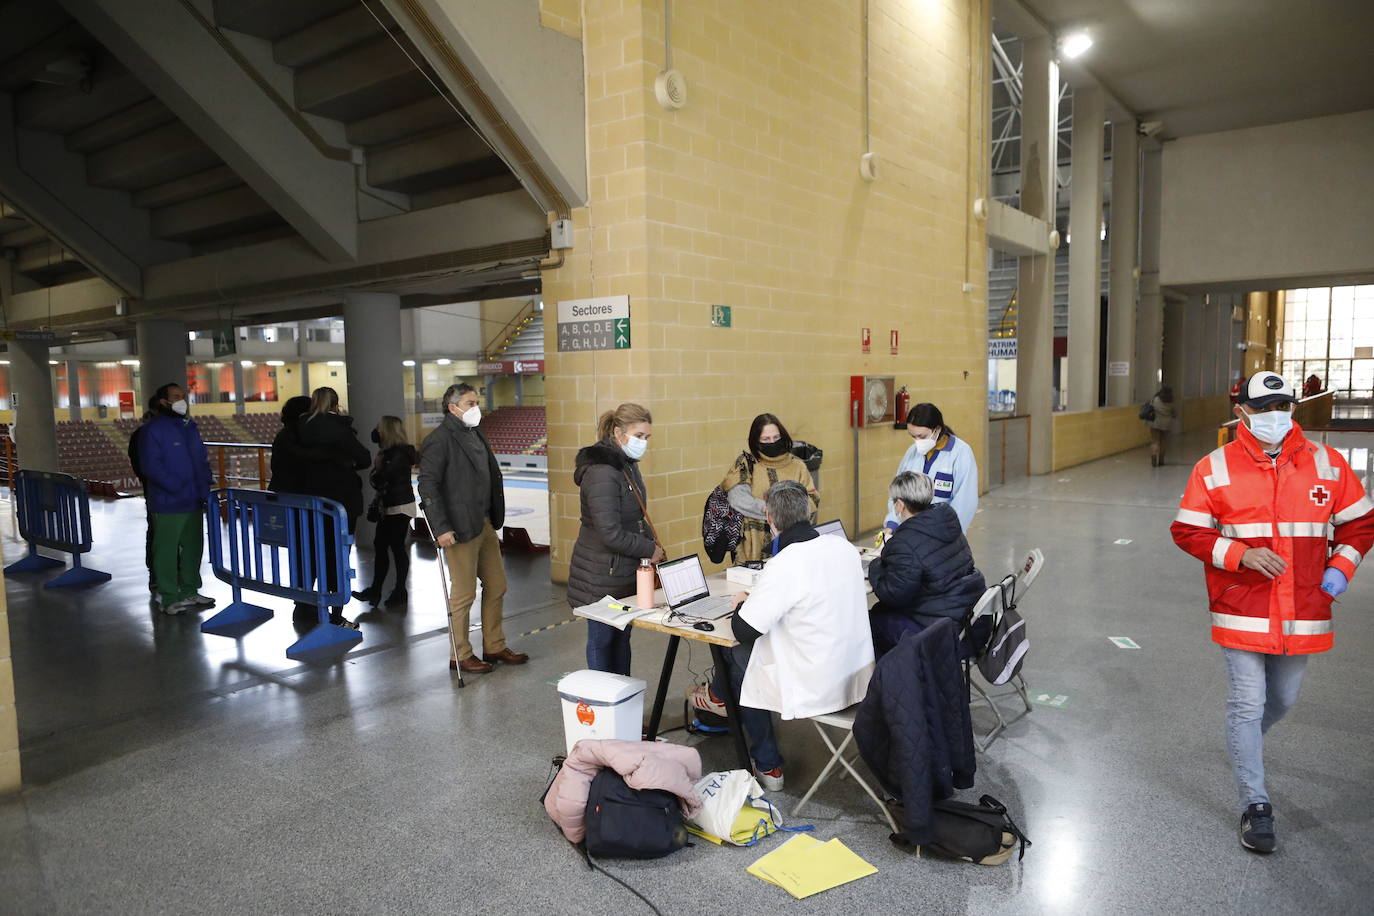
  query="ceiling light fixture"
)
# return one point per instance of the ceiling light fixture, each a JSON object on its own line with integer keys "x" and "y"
{"x": 1075, "y": 45}
{"x": 408, "y": 363}
{"x": 444, "y": 362}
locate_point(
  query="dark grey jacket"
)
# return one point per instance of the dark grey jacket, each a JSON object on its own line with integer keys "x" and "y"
{"x": 614, "y": 536}
{"x": 459, "y": 476}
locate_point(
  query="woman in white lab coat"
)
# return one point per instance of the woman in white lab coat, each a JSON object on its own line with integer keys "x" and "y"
{"x": 943, "y": 457}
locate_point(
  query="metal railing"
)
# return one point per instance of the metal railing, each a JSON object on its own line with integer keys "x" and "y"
{"x": 229, "y": 472}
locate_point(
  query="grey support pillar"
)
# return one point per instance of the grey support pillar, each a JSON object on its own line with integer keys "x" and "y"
{"x": 239, "y": 393}
{"x": 372, "y": 350}
{"x": 1149, "y": 335}
{"x": 519, "y": 390}
{"x": 1121, "y": 279}
{"x": 35, "y": 425}
{"x": 489, "y": 389}
{"x": 1174, "y": 355}
{"x": 1035, "y": 290}
{"x": 1085, "y": 250}
{"x": 419, "y": 372}
{"x": 74, "y": 390}
{"x": 161, "y": 355}
{"x": 305, "y": 378}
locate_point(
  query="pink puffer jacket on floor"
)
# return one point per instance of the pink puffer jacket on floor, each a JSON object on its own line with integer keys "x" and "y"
{"x": 643, "y": 764}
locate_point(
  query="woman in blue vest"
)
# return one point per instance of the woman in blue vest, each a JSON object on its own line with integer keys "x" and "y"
{"x": 945, "y": 459}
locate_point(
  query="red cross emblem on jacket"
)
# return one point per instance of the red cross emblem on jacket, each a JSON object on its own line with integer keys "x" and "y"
{"x": 1319, "y": 495}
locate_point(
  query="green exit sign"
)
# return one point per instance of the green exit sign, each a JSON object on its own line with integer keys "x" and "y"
{"x": 720, "y": 316}
{"x": 622, "y": 334}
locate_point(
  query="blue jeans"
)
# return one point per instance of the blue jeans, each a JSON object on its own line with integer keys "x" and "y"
{"x": 758, "y": 723}
{"x": 608, "y": 649}
{"x": 1261, "y": 688}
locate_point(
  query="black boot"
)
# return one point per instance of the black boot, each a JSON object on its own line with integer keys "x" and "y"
{"x": 399, "y": 597}
{"x": 371, "y": 595}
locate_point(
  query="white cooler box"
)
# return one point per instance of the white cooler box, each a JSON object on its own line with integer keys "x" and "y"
{"x": 597, "y": 704}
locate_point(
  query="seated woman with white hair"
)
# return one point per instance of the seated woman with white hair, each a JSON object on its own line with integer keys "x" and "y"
{"x": 926, "y": 569}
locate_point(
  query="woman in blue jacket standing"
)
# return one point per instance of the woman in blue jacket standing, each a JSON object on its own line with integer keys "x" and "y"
{"x": 947, "y": 460}
{"x": 176, "y": 472}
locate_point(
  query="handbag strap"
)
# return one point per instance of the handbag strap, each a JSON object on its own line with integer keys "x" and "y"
{"x": 639, "y": 499}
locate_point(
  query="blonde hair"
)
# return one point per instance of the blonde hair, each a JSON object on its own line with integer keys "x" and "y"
{"x": 392, "y": 432}
{"x": 323, "y": 400}
{"x": 622, "y": 418}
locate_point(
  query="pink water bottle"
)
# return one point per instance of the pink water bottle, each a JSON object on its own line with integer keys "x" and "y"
{"x": 644, "y": 585}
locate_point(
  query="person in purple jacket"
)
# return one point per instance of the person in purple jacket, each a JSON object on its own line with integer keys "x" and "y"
{"x": 176, "y": 469}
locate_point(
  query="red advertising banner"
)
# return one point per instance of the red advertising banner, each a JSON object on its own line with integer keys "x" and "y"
{"x": 512, "y": 367}
{"x": 126, "y": 403}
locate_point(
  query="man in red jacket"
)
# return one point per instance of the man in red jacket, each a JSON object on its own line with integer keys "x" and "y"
{"x": 1281, "y": 523}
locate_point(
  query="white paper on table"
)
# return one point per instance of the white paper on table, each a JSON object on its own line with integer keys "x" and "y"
{"x": 602, "y": 612}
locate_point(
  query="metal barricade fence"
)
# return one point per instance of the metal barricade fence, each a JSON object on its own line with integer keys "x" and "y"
{"x": 281, "y": 544}
{"x": 55, "y": 512}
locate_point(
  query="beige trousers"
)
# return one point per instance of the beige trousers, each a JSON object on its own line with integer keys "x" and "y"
{"x": 478, "y": 559}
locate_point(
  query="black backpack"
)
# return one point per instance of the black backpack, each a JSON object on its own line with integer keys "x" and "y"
{"x": 983, "y": 833}
{"x": 1147, "y": 412}
{"x": 1006, "y": 645}
{"x": 625, "y": 823}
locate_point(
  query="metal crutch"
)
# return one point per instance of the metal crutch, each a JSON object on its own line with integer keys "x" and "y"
{"x": 448, "y": 608}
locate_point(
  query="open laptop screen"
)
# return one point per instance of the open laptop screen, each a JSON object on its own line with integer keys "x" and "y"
{"x": 835, "y": 526}
{"x": 683, "y": 580}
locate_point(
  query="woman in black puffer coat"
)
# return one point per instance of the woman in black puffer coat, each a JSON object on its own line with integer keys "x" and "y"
{"x": 391, "y": 473}
{"x": 926, "y": 569}
{"x": 333, "y": 472}
{"x": 615, "y": 535}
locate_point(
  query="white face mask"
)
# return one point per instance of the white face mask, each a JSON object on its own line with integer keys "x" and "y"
{"x": 180, "y": 407}
{"x": 472, "y": 416}
{"x": 924, "y": 446}
{"x": 1272, "y": 426}
{"x": 634, "y": 448}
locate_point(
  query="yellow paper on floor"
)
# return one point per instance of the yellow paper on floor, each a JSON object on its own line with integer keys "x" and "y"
{"x": 783, "y": 854}
{"x": 803, "y": 869}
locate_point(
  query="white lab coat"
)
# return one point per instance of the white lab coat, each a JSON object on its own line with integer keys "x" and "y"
{"x": 953, "y": 473}
{"x": 816, "y": 652}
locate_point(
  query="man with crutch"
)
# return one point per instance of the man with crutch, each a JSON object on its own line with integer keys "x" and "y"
{"x": 461, "y": 489}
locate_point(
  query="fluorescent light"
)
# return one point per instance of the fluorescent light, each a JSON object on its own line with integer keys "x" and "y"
{"x": 1075, "y": 45}
{"x": 275, "y": 362}
{"x": 4, "y": 362}
{"x": 334, "y": 362}
{"x": 408, "y": 363}
{"x": 128, "y": 362}
{"x": 247, "y": 363}
{"x": 440, "y": 362}
{"x": 52, "y": 362}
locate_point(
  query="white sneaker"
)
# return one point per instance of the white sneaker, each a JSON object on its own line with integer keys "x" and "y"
{"x": 771, "y": 780}
{"x": 200, "y": 600}
{"x": 178, "y": 607}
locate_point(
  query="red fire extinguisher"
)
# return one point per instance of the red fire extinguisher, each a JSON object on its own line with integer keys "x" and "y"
{"x": 903, "y": 405}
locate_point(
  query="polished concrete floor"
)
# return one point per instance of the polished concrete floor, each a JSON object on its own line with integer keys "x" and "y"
{"x": 173, "y": 772}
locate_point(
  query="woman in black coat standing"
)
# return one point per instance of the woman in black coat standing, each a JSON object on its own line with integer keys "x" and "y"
{"x": 391, "y": 473}
{"x": 331, "y": 470}
{"x": 926, "y": 569}
{"x": 615, "y": 533}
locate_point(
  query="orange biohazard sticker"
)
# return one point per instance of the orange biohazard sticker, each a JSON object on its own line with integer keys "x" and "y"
{"x": 585, "y": 714}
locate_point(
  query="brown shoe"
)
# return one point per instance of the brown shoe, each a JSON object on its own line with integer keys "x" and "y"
{"x": 507, "y": 655}
{"x": 472, "y": 665}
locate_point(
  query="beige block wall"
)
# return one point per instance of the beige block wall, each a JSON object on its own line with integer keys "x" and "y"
{"x": 750, "y": 196}
{"x": 1091, "y": 434}
{"x": 9, "y": 723}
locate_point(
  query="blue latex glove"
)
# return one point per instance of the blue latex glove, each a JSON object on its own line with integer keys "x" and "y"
{"x": 890, "y": 526}
{"x": 1334, "y": 582}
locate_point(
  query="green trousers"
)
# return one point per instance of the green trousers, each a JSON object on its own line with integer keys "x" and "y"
{"x": 177, "y": 547}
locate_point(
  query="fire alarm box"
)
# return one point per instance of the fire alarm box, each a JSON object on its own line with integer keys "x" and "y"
{"x": 871, "y": 400}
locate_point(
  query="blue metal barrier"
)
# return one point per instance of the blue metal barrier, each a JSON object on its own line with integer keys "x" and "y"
{"x": 55, "y": 512}
{"x": 281, "y": 544}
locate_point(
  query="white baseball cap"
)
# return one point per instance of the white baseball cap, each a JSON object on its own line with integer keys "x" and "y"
{"x": 1265, "y": 388}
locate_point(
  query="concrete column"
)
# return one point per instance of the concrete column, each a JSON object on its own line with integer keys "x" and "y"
{"x": 161, "y": 355}
{"x": 1121, "y": 278}
{"x": 1035, "y": 289}
{"x": 239, "y": 392}
{"x": 419, "y": 371}
{"x": 1173, "y": 356}
{"x": 35, "y": 424}
{"x": 372, "y": 349}
{"x": 519, "y": 390}
{"x": 1205, "y": 349}
{"x": 305, "y": 378}
{"x": 1085, "y": 250}
{"x": 489, "y": 387}
{"x": 1149, "y": 336}
{"x": 74, "y": 390}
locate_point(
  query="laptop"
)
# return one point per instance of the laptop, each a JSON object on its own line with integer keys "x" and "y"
{"x": 834, "y": 526}
{"x": 684, "y": 585}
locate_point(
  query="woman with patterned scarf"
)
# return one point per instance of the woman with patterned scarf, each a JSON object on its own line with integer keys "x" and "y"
{"x": 768, "y": 460}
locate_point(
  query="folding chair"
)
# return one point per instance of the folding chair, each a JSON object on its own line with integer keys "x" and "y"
{"x": 842, "y": 722}
{"x": 1005, "y": 593}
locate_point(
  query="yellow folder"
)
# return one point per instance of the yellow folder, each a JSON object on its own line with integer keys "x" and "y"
{"x": 804, "y": 866}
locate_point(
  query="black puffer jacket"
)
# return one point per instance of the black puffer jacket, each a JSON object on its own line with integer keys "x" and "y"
{"x": 336, "y": 456}
{"x": 926, "y": 571}
{"x": 461, "y": 487}
{"x": 391, "y": 475}
{"x": 614, "y": 536}
{"x": 913, "y": 727}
